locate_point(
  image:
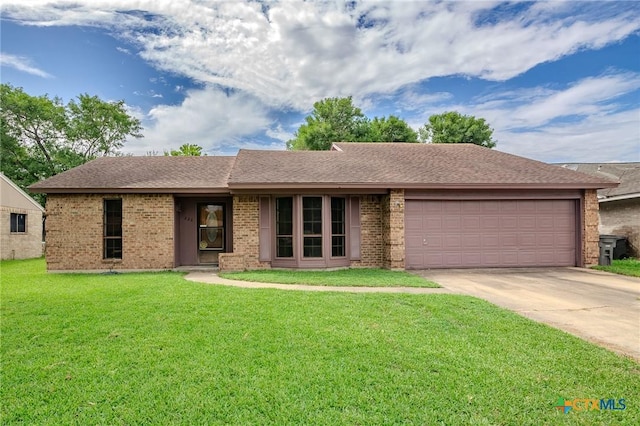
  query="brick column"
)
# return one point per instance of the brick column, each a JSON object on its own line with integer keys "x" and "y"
{"x": 590, "y": 233}
{"x": 393, "y": 229}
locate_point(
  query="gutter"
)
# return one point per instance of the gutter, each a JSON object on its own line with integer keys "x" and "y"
{"x": 620, "y": 197}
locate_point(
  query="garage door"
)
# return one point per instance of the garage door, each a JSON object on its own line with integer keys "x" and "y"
{"x": 495, "y": 233}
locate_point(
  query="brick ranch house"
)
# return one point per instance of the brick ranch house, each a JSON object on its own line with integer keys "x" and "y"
{"x": 398, "y": 206}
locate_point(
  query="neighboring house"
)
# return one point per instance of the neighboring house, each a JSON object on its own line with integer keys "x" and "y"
{"x": 620, "y": 206}
{"x": 21, "y": 222}
{"x": 389, "y": 205}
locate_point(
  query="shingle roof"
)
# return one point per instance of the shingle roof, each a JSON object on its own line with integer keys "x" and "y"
{"x": 627, "y": 173}
{"x": 348, "y": 165}
{"x": 141, "y": 174}
{"x": 401, "y": 165}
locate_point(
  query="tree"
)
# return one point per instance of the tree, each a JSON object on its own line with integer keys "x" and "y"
{"x": 392, "y": 129}
{"x": 338, "y": 120}
{"x": 41, "y": 137}
{"x": 453, "y": 127}
{"x": 97, "y": 128}
{"x": 332, "y": 120}
{"x": 185, "y": 150}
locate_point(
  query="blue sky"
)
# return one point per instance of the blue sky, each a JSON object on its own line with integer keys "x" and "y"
{"x": 559, "y": 81}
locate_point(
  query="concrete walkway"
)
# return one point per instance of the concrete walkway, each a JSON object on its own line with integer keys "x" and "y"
{"x": 212, "y": 278}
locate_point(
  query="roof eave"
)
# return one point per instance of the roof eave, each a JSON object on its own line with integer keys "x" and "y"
{"x": 368, "y": 185}
{"x": 131, "y": 190}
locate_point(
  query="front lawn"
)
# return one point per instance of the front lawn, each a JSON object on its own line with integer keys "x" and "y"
{"x": 629, "y": 267}
{"x": 157, "y": 349}
{"x": 357, "y": 277}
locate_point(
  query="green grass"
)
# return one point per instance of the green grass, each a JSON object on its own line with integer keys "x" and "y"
{"x": 357, "y": 277}
{"x": 157, "y": 349}
{"x": 629, "y": 267}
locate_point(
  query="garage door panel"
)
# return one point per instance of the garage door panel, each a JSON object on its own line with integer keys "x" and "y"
{"x": 491, "y": 258}
{"x": 565, "y": 256}
{"x": 414, "y": 220}
{"x": 545, "y": 240}
{"x": 432, "y": 223}
{"x": 508, "y": 222}
{"x": 509, "y": 241}
{"x": 490, "y": 222}
{"x": 452, "y": 242}
{"x": 472, "y": 259}
{"x": 494, "y": 233}
{"x": 452, "y": 259}
{"x": 527, "y": 222}
{"x": 452, "y": 223}
{"x": 472, "y": 242}
{"x": 545, "y": 222}
{"x": 452, "y": 207}
{"x": 509, "y": 259}
{"x": 433, "y": 241}
{"x": 562, "y": 222}
{"x": 470, "y": 223}
{"x": 564, "y": 239}
{"x": 490, "y": 242}
{"x": 413, "y": 241}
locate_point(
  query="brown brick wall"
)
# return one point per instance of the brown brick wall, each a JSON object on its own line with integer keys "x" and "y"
{"x": 231, "y": 262}
{"x": 246, "y": 216}
{"x": 75, "y": 232}
{"x": 371, "y": 241}
{"x": 393, "y": 229}
{"x": 590, "y": 233}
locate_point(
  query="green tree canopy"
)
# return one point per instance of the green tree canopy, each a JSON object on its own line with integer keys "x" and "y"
{"x": 41, "y": 137}
{"x": 185, "y": 150}
{"x": 338, "y": 120}
{"x": 453, "y": 127}
{"x": 392, "y": 129}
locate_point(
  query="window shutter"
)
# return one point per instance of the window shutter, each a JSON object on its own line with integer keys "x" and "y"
{"x": 265, "y": 229}
{"x": 354, "y": 228}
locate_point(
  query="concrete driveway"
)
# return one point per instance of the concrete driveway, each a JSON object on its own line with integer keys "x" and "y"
{"x": 598, "y": 306}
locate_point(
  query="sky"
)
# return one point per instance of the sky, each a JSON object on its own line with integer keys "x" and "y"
{"x": 558, "y": 81}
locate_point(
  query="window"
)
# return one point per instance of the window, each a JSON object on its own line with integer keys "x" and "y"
{"x": 18, "y": 222}
{"x": 306, "y": 231}
{"x": 113, "y": 229}
{"x": 312, "y": 226}
{"x": 211, "y": 222}
{"x": 338, "y": 227}
{"x": 284, "y": 227}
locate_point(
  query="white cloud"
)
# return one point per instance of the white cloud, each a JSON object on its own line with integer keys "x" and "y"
{"x": 614, "y": 137}
{"x": 22, "y": 64}
{"x": 585, "y": 121}
{"x": 279, "y": 133}
{"x": 293, "y": 53}
{"x": 209, "y": 118}
{"x": 593, "y": 96}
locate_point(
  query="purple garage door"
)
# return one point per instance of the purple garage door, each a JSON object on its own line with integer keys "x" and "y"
{"x": 496, "y": 233}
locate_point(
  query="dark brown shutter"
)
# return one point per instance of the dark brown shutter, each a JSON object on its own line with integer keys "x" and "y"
{"x": 265, "y": 229}
{"x": 354, "y": 228}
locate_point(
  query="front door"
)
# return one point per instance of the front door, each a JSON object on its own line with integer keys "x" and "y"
{"x": 211, "y": 238}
